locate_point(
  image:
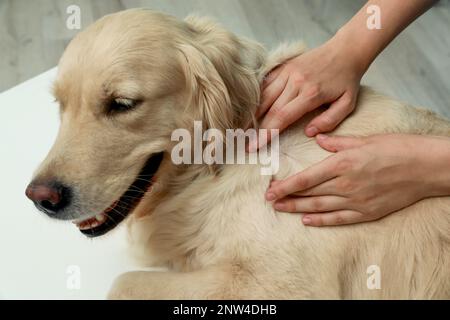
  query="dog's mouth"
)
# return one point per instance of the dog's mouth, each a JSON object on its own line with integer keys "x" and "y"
{"x": 122, "y": 207}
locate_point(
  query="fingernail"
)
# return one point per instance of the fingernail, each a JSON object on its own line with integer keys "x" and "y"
{"x": 270, "y": 196}
{"x": 311, "y": 131}
{"x": 321, "y": 136}
{"x": 306, "y": 220}
{"x": 279, "y": 206}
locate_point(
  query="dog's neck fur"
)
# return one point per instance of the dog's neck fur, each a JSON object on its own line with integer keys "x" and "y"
{"x": 176, "y": 232}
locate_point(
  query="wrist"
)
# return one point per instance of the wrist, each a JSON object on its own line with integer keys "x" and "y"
{"x": 435, "y": 157}
{"x": 356, "y": 51}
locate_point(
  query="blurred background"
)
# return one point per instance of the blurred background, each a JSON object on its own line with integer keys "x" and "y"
{"x": 414, "y": 68}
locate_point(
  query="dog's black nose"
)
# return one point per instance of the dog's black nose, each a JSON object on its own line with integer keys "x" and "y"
{"x": 50, "y": 197}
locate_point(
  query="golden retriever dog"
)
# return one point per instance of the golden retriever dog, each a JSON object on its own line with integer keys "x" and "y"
{"x": 127, "y": 82}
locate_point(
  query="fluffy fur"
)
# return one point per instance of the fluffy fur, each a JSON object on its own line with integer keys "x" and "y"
{"x": 213, "y": 229}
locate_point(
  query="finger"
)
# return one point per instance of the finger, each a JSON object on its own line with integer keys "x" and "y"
{"x": 280, "y": 119}
{"x": 334, "y": 115}
{"x": 338, "y": 143}
{"x": 306, "y": 179}
{"x": 294, "y": 110}
{"x": 261, "y": 140}
{"x": 290, "y": 92}
{"x": 274, "y": 183}
{"x": 311, "y": 204}
{"x": 271, "y": 93}
{"x": 335, "y": 218}
{"x": 272, "y": 75}
{"x": 326, "y": 188}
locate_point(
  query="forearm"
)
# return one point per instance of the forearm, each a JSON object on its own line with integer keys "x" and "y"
{"x": 366, "y": 43}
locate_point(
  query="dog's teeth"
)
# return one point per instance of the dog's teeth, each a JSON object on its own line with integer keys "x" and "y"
{"x": 100, "y": 217}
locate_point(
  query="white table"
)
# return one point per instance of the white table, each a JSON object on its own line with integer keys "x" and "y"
{"x": 40, "y": 258}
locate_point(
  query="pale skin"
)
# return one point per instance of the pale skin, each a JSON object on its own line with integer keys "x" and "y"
{"x": 365, "y": 179}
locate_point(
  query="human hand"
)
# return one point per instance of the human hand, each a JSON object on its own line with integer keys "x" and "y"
{"x": 331, "y": 73}
{"x": 325, "y": 75}
{"x": 366, "y": 179}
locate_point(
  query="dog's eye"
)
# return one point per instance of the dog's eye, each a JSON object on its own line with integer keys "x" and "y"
{"x": 122, "y": 105}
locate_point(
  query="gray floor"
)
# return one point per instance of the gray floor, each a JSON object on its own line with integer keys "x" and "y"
{"x": 414, "y": 68}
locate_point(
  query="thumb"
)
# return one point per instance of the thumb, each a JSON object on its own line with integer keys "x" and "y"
{"x": 338, "y": 143}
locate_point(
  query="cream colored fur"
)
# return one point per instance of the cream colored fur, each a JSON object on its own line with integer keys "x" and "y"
{"x": 213, "y": 229}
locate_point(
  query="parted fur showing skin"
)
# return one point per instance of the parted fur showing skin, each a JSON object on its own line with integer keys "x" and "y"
{"x": 213, "y": 229}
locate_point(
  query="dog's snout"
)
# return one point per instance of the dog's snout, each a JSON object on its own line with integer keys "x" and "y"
{"x": 50, "y": 197}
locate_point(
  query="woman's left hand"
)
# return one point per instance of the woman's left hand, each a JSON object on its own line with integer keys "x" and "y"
{"x": 366, "y": 179}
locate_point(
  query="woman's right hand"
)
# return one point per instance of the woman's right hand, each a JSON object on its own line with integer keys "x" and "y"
{"x": 331, "y": 73}
{"x": 328, "y": 74}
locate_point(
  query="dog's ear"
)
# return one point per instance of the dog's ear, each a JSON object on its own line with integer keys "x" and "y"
{"x": 209, "y": 97}
{"x": 229, "y": 63}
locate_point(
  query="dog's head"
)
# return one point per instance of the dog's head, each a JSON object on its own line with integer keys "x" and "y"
{"x": 123, "y": 85}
